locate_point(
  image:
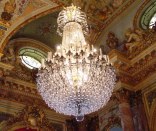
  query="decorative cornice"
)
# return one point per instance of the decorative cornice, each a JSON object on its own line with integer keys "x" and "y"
{"x": 24, "y": 42}
{"x": 22, "y": 98}
{"x": 135, "y": 71}
{"x": 30, "y": 116}
{"x": 6, "y": 66}
{"x": 13, "y": 81}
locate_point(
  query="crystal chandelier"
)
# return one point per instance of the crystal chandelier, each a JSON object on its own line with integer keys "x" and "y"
{"x": 77, "y": 79}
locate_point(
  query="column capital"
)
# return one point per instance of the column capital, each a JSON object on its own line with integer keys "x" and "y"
{"x": 123, "y": 96}
{"x": 136, "y": 98}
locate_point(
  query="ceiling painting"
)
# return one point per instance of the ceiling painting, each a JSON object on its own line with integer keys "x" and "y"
{"x": 99, "y": 9}
{"x": 133, "y": 56}
{"x": 10, "y": 10}
{"x": 100, "y": 13}
{"x": 43, "y": 29}
{"x": 16, "y": 12}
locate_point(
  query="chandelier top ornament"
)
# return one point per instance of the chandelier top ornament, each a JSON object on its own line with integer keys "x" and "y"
{"x": 77, "y": 79}
{"x": 71, "y": 14}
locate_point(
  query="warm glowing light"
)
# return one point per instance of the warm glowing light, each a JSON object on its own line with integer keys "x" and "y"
{"x": 77, "y": 79}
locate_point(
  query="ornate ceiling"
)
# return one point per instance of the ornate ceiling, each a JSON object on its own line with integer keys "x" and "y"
{"x": 43, "y": 30}
{"x": 16, "y": 13}
{"x": 114, "y": 25}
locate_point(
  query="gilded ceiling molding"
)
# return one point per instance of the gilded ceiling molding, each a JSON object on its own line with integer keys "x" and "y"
{"x": 5, "y": 67}
{"x": 136, "y": 21}
{"x": 19, "y": 89}
{"x": 21, "y": 98}
{"x": 15, "y": 106}
{"x": 12, "y": 108}
{"x": 118, "y": 13}
{"x": 136, "y": 70}
{"x": 27, "y": 42}
{"x": 104, "y": 25}
{"x": 10, "y": 32}
{"x": 41, "y": 12}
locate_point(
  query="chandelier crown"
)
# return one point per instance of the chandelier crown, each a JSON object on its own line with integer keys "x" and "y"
{"x": 77, "y": 79}
{"x": 71, "y": 14}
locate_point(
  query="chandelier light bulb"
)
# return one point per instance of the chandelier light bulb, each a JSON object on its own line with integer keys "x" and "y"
{"x": 58, "y": 47}
{"x": 77, "y": 79}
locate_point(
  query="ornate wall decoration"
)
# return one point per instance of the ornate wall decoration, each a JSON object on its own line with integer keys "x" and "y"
{"x": 140, "y": 64}
{"x": 102, "y": 9}
{"x": 130, "y": 69}
{"x": 19, "y": 72}
{"x": 12, "y": 57}
{"x": 21, "y": 98}
{"x": 109, "y": 117}
{"x": 29, "y": 117}
{"x": 138, "y": 40}
{"x": 22, "y": 4}
{"x": 112, "y": 41}
{"x": 8, "y": 10}
{"x": 11, "y": 9}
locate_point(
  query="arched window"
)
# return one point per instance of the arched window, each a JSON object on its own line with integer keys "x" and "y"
{"x": 31, "y": 57}
{"x": 148, "y": 18}
{"x": 152, "y": 21}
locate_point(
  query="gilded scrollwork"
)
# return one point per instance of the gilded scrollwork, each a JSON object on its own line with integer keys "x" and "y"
{"x": 19, "y": 71}
{"x": 9, "y": 9}
{"x": 134, "y": 40}
{"x": 138, "y": 40}
{"x": 112, "y": 41}
{"x": 29, "y": 117}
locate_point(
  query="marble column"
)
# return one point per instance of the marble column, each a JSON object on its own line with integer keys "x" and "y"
{"x": 125, "y": 110}
{"x": 139, "y": 115}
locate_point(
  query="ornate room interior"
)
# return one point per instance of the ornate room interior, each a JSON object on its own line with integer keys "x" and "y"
{"x": 125, "y": 30}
